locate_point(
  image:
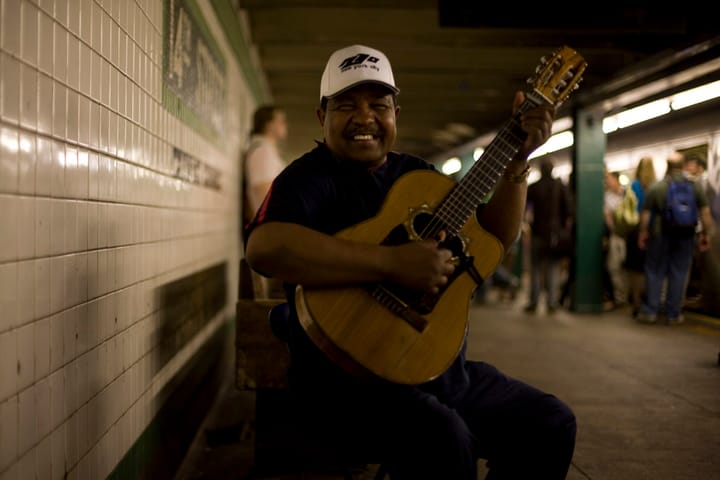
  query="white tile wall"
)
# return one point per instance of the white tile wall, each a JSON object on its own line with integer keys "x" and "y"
{"x": 92, "y": 224}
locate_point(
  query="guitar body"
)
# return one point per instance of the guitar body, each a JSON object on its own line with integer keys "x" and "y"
{"x": 367, "y": 338}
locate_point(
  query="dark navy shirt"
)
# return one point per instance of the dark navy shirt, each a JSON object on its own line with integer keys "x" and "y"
{"x": 328, "y": 195}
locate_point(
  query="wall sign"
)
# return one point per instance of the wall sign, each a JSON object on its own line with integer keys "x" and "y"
{"x": 194, "y": 81}
{"x": 192, "y": 170}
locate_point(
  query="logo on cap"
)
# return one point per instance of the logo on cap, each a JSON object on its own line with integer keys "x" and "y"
{"x": 357, "y": 60}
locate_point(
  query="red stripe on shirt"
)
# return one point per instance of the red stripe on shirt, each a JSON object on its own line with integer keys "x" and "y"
{"x": 262, "y": 211}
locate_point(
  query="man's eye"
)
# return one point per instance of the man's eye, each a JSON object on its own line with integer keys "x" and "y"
{"x": 345, "y": 107}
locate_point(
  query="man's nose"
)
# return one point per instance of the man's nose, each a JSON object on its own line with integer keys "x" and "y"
{"x": 364, "y": 114}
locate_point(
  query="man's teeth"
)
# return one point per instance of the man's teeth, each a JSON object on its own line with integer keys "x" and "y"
{"x": 362, "y": 137}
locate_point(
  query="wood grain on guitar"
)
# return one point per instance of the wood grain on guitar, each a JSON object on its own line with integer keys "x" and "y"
{"x": 385, "y": 331}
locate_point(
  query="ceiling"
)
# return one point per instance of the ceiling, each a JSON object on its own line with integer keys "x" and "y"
{"x": 457, "y": 66}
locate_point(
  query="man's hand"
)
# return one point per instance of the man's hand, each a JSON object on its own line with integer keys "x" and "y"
{"x": 421, "y": 265}
{"x": 536, "y": 122}
{"x": 703, "y": 241}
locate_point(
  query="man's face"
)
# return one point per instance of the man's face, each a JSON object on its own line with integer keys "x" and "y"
{"x": 278, "y": 126}
{"x": 692, "y": 167}
{"x": 360, "y": 124}
{"x": 611, "y": 182}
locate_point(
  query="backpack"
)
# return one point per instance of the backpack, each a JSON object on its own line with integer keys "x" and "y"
{"x": 626, "y": 216}
{"x": 680, "y": 217}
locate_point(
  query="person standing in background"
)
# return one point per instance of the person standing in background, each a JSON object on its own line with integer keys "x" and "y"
{"x": 635, "y": 258}
{"x": 694, "y": 167}
{"x": 616, "y": 250}
{"x": 668, "y": 254}
{"x": 262, "y": 161}
{"x": 261, "y": 164}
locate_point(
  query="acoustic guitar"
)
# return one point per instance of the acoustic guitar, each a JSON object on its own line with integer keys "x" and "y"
{"x": 388, "y": 332}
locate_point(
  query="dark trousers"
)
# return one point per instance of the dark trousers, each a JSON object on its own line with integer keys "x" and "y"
{"x": 668, "y": 259}
{"x": 521, "y": 431}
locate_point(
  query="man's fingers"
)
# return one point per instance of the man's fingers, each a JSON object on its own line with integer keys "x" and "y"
{"x": 518, "y": 100}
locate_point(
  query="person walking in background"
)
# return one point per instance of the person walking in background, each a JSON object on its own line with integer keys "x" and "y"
{"x": 645, "y": 176}
{"x": 615, "y": 250}
{"x": 549, "y": 211}
{"x": 262, "y": 161}
{"x": 669, "y": 249}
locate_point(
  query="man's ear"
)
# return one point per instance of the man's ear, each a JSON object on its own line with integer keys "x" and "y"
{"x": 397, "y": 111}
{"x": 321, "y": 116}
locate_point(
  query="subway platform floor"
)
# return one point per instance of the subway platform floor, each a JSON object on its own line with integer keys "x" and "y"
{"x": 646, "y": 397}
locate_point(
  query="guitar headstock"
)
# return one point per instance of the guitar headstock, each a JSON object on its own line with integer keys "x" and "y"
{"x": 558, "y": 76}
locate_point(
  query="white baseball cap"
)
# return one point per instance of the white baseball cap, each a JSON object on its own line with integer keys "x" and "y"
{"x": 354, "y": 65}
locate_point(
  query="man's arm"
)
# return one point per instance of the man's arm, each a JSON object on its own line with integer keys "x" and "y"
{"x": 257, "y": 193}
{"x": 298, "y": 254}
{"x": 643, "y": 230}
{"x": 707, "y": 225}
{"x": 504, "y": 212}
{"x": 609, "y": 219}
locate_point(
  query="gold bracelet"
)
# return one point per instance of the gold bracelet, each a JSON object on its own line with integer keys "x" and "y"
{"x": 518, "y": 177}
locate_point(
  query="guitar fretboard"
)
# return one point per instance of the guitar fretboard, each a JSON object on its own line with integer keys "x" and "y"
{"x": 464, "y": 198}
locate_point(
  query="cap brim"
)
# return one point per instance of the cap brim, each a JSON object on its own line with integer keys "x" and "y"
{"x": 393, "y": 89}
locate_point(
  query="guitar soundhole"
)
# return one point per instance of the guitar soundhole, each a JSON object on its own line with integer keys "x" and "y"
{"x": 422, "y": 225}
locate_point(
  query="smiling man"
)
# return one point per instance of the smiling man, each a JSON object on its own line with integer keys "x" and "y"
{"x": 438, "y": 429}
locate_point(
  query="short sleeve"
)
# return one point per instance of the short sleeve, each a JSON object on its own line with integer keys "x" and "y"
{"x": 263, "y": 164}
{"x": 700, "y": 195}
{"x": 293, "y": 197}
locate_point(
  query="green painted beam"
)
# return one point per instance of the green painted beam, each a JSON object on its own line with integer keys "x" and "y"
{"x": 589, "y": 167}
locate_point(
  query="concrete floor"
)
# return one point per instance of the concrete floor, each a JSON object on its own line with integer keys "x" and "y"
{"x": 647, "y": 397}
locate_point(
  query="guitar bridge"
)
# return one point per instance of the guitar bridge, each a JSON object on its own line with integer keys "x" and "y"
{"x": 393, "y": 303}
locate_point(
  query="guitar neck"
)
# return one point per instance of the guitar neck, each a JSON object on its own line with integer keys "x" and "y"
{"x": 482, "y": 177}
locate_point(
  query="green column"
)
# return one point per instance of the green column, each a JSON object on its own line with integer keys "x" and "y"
{"x": 589, "y": 167}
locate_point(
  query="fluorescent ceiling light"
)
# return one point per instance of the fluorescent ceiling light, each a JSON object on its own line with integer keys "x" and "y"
{"x": 554, "y": 143}
{"x": 451, "y": 165}
{"x": 477, "y": 153}
{"x": 643, "y": 113}
{"x": 610, "y": 124}
{"x": 695, "y": 95}
{"x": 561, "y": 124}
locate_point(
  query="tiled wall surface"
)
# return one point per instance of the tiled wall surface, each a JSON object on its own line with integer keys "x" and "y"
{"x": 92, "y": 224}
